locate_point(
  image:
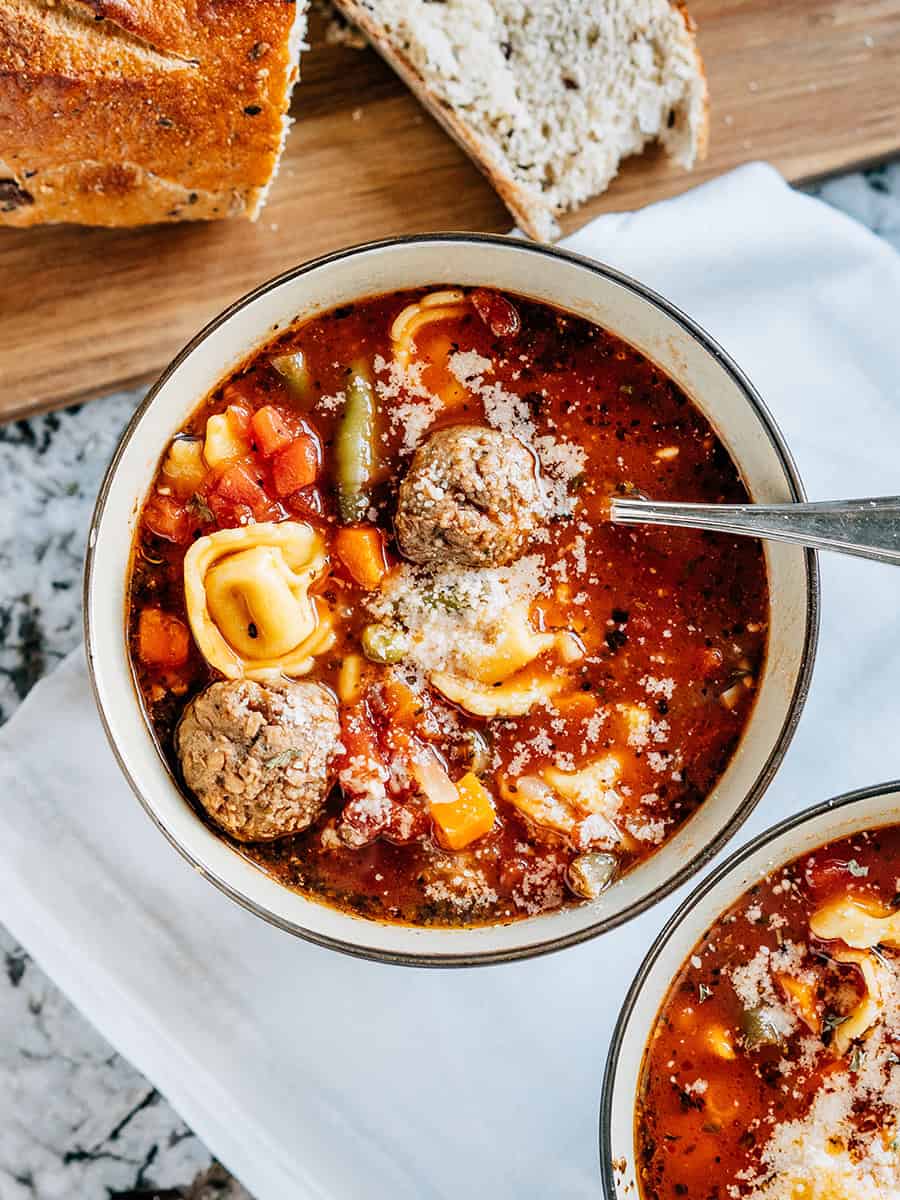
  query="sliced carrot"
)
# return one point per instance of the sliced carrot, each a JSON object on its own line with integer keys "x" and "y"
{"x": 163, "y": 640}
{"x": 296, "y": 466}
{"x": 401, "y": 701}
{"x": 243, "y": 391}
{"x": 802, "y": 996}
{"x": 271, "y": 430}
{"x": 168, "y": 519}
{"x": 361, "y": 549}
{"x": 469, "y": 817}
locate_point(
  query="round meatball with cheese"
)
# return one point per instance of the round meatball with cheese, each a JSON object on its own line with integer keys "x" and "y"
{"x": 472, "y": 496}
{"x": 259, "y": 757}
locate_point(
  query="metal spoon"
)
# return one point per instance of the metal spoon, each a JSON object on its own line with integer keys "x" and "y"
{"x": 866, "y": 528}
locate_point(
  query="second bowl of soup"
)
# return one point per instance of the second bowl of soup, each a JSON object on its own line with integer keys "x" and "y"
{"x": 771, "y": 1068}
{"x": 401, "y": 686}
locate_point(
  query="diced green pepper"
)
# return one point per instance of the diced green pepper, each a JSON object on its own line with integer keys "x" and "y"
{"x": 759, "y": 1029}
{"x": 355, "y": 450}
{"x": 293, "y": 369}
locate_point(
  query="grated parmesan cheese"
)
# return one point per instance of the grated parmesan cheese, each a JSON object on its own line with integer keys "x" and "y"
{"x": 826, "y": 1154}
{"x": 561, "y": 461}
{"x": 410, "y": 405}
{"x": 453, "y": 615}
{"x": 658, "y": 687}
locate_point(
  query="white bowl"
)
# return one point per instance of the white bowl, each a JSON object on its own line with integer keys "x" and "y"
{"x": 598, "y": 293}
{"x": 870, "y": 808}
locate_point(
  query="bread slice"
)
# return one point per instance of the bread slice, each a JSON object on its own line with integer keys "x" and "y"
{"x": 129, "y": 112}
{"x": 548, "y": 96}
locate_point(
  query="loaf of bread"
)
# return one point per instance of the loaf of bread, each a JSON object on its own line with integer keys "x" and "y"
{"x": 129, "y": 112}
{"x": 548, "y": 96}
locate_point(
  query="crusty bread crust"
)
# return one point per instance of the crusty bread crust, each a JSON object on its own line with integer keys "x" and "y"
{"x": 517, "y": 199}
{"x": 131, "y": 112}
{"x": 534, "y": 218}
{"x": 702, "y": 130}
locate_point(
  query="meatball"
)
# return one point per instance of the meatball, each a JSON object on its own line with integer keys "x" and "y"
{"x": 472, "y": 496}
{"x": 259, "y": 758}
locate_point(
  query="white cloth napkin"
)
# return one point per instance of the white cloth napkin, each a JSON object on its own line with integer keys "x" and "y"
{"x": 314, "y": 1075}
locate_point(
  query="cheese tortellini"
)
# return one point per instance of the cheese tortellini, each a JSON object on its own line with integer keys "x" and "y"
{"x": 513, "y": 647}
{"x": 470, "y": 632}
{"x": 436, "y": 306}
{"x": 512, "y": 699}
{"x": 850, "y": 921}
{"x": 248, "y": 601}
{"x": 867, "y": 1011}
{"x": 490, "y": 682}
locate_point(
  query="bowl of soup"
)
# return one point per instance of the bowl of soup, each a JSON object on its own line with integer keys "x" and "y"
{"x": 365, "y": 642}
{"x": 757, "y": 1056}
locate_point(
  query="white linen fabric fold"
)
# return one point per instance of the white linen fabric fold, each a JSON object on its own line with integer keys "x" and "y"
{"x": 315, "y": 1075}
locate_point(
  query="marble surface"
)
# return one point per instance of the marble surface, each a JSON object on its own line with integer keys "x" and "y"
{"x": 76, "y": 1120}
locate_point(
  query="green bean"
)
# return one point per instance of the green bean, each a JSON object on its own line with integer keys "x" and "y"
{"x": 293, "y": 369}
{"x": 355, "y": 450}
{"x": 382, "y": 644}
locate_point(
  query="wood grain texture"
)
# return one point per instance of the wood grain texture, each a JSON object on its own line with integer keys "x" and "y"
{"x": 811, "y": 86}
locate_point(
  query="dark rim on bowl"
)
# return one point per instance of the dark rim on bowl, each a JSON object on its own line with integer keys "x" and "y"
{"x": 797, "y": 701}
{"x": 684, "y": 910}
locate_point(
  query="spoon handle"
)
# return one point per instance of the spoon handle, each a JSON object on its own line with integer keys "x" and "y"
{"x": 866, "y": 528}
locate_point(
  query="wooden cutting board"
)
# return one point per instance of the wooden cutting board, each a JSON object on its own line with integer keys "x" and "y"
{"x": 811, "y": 85}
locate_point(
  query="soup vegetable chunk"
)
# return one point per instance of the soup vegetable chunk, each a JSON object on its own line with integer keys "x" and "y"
{"x": 387, "y": 637}
{"x": 773, "y": 1072}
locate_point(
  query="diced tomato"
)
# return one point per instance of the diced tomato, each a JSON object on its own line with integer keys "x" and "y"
{"x": 238, "y": 484}
{"x": 297, "y": 466}
{"x": 497, "y": 313}
{"x": 168, "y": 519}
{"x": 228, "y": 514}
{"x": 244, "y": 392}
{"x": 363, "y": 777}
{"x": 238, "y": 487}
{"x": 407, "y": 823}
{"x": 361, "y": 549}
{"x": 270, "y": 430}
{"x": 359, "y": 736}
{"x": 307, "y": 502}
{"x": 163, "y": 640}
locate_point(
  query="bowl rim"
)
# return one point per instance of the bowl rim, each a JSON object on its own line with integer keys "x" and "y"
{"x": 464, "y": 958}
{"x": 681, "y": 914}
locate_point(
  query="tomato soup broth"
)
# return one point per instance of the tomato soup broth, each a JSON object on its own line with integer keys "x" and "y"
{"x": 773, "y": 1071}
{"x": 524, "y": 700}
